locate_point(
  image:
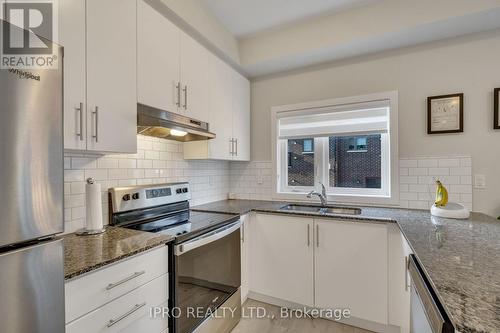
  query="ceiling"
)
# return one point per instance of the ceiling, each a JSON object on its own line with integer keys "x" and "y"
{"x": 246, "y": 17}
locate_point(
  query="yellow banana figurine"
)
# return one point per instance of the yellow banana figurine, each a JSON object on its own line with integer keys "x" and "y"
{"x": 441, "y": 195}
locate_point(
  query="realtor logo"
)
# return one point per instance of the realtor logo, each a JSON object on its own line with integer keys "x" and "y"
{"x": 29, "y": 27}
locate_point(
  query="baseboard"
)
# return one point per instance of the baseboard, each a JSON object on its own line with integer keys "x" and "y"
{"x": 353, "y": 321}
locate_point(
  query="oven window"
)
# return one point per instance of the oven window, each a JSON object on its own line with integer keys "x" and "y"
{"x": 206, "y": 277}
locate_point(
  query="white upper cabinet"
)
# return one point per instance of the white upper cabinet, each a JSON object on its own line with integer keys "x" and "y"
{"x": 178, "y": 74}
{"x": 100, "y": 88}
{"x": 351, "y": 268}
{"x": 72, "y": 36}
{"x": 158, "y": 60}
{"x": 194, "y": 62}
{"x": 229, "y": 116}
{"x": 220, "y": 111}
{"x": 111, "y": 75}
{"x": 241, "y": 117}
{"x": 282, "y": 258}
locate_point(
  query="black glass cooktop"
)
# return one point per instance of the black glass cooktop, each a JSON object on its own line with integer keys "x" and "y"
{"x": 185, "y": 225}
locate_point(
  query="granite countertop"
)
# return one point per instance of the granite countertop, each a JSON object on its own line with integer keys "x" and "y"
{"x": 460, "y": 257}
{"x": 83, "y": 254}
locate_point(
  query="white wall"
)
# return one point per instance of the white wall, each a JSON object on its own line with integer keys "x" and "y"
{"x": 381, "y": 25}
{"x": 468, "y": 64}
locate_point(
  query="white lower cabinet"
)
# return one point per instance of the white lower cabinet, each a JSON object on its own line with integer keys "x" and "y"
{"x": 331, "y": 264}
{"x": 245, "y": 256}
{"x": 351, "y": 268}
{"x": 282, "y": 258}
{"x": 399, "y": 279}
{"x": 119, "y": 296}
{"x": 130, "y": 313}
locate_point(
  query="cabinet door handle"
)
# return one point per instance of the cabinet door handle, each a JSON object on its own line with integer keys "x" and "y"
{"x": 308, "y": 235}
{"x": 317, "y": 235}
{"x": 236, "y": 144}
{"x": 96, "y": 117}
{"x": 178, "y": 86}
{"x": 131, "y": 277}
{"x": 231, "y": 146}
{"x": 243, "y": 232}
{"x": 80, "y": 110}
{"x": 111, "y": 322}
{"x": 185, "y": 90}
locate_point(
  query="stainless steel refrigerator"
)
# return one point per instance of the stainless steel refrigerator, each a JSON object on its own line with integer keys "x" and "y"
{"x": 31, "y": 200}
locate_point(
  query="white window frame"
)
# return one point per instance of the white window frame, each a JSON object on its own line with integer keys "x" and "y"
{"x": 387, "y": 195}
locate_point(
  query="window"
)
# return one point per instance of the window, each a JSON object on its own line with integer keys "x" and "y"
{"x": 357, "y": 144}
{"x": 307, "y": 146}
{"x": 349, "y": 170}
{"x": 300, "y": 162}
{"x": 345, "y": 146}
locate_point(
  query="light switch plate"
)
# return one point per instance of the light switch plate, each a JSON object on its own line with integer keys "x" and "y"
{"x": 480, "y": 181}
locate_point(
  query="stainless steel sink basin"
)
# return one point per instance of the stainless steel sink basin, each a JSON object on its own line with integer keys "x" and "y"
{"x": 320, "y": 210}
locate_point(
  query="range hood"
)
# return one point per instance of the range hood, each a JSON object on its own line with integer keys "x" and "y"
{"x": 168, "y": 125}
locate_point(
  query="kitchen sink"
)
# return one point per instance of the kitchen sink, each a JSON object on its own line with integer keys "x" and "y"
{"x": 321, "y": 210}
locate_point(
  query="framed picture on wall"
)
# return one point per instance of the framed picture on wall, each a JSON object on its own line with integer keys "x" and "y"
{"x": 496, "y": 125}
{"x": 445, "y": 114}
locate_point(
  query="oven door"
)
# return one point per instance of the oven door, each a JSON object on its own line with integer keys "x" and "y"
{"x": 208, "y": 272}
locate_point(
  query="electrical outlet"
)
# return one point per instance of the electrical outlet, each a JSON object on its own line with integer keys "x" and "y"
{"x": 260, "y": 180}
{"x": 480, "y": 181}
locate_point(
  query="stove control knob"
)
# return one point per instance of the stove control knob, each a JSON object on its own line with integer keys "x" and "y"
{"x": 184, "y": 190}
{"x": 126, "y": 197}
{"x": 135, "y": 196}
{"x": 178, "y": 191}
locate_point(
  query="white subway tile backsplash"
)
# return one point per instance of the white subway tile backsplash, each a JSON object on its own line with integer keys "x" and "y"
{"x": 127, "y": 163}
{"x": 427, "y": 163}
{"x": 107, "y": 163}
{"x": 83, "y": 163}
{"x": 418, "y": 171}
{"x": 463, "y": 171}
{"x": 159, "y": 161}
{"x": 454, "y": 172}
{"x": 408, "y": 180}
{"x": 73, "y": 175}
{"x": 439, "y": 171}
{"x": 449, "y": 163}
{"x": 408, "y": 163}
{"x": 156, "y": 161}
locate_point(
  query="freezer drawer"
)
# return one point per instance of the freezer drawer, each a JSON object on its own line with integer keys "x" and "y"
{"x": 32, "y": 289}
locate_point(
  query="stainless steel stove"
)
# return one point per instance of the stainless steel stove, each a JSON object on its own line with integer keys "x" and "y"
{"x": 205, "y": 255}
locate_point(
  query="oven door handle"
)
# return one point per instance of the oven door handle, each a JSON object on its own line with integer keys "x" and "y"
{"x": 206, "y": 239}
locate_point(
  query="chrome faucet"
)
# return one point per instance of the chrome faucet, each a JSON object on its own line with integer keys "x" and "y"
{"x": 322, "y": 196}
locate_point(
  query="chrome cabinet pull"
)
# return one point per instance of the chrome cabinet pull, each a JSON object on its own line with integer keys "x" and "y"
{"x": 317, "y": 235}
{"x": 178, "y": 87}
{"x": 308, "y": 235}
{"x": 231, "y": 146}
{"x": 80, "y": 110}
{"x": 131, "y": 277}
{"x": 96, "y": 116}
{"x": 236, "y": 143}
{"x": 111, "y": 322}
{"x": 243, "y": 225}
{"x": 185, "y": 90}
